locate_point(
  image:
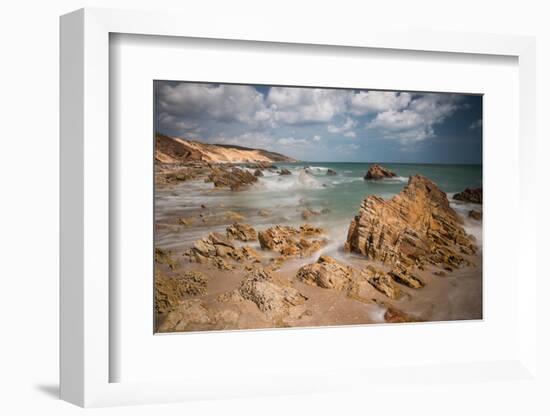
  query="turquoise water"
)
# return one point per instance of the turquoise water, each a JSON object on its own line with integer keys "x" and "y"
{"x": 286, "y": 197}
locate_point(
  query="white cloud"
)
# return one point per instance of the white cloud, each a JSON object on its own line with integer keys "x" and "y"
{"x": 316, "y": 138}
{"x": 377, "y": 101}
{"x": 346, "y": 128}
{"x": 306, "y": 105}
{"x": 415, "y": 122}
{"x": 226, "y": 103}
{"x": 476, "y": 125}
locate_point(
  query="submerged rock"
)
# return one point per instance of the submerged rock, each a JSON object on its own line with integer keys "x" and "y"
{"x": 474, "y": 195}
{"x": 415, "y": 227}
{"x": 476, "y": 215}
{"x": 378, "y": 172}
{"x": 242, "y": 232}
{"x": 308, "y": 213}
{"x": 326, "y": 273}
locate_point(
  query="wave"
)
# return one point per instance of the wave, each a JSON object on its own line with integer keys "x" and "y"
{"x": 302, "y": 180}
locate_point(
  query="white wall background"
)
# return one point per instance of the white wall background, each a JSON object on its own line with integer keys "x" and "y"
{"x": 29, "y": 115}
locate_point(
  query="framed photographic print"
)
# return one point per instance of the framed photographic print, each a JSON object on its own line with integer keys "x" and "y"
{"x": 271, "y": 212}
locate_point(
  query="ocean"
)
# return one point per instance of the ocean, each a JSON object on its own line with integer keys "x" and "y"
{"x": 277, "y": 199}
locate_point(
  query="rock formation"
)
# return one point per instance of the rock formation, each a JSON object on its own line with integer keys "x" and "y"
{"x": 331, "y": 172}
{"x": 232, "y": 178}
{"x": 242, "y": 232}
{"x": 270, "y": 296}
{"x": 378, "y": 172}
{"x": 216, "y": 248}
{"x": 284, "y": 171}
{"x": 290, "y": 241}
{"x": 326, "y": 273}
{"x": 382, "y": 282}
{"x": 474, "y": 195}
{"x": 413, "y": 228}
{"x": 476, "y": 215}
{"x": 171, "y": 290}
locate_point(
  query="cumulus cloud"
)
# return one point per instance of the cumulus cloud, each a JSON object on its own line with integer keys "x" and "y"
{"x": 346, "y": 128}
{"x": 415, "y": 121}
{"x": 365, "y": 102}
{"x": 305, "y": 105}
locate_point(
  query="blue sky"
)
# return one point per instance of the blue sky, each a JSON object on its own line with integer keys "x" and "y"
{"x": 323, "y": 124}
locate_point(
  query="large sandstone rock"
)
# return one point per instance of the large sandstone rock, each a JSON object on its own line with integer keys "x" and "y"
{"x": 474, "y": 195}
{"x": 415, "y": 227}
{"x": 171, "y": 290}
{"x": 290, "y": 241}
{"x": 326, "y": 273}
{"x": 232, "y": 178}
{"x": 378, "y": 172}
{"x": 382, "y": 282}
{"x": 243, "y": 232}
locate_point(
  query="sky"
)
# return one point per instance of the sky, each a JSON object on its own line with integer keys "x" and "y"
{"x": 324, "y": 124}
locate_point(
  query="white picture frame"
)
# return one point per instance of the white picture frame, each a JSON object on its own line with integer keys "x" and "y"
{"x": 85, "y": 212}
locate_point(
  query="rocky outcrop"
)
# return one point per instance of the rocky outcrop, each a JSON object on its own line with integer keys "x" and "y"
{"x": 474, "y": 195}
{"x": 378, "y": 172}
{"x": 331, "y": 172}
{"x": 270, "y": 296}
{"x": 177, "y": 150}
{"x": 171, "y": 290}
{"x": 258, "y": 173}
{"x": 242, "y": 232}
{"x": 396, "y": 316}
{"x": 326, "y": 273}
{"x": 382, "y": 282}
{"x": 415, "y": 227}
{"x": 232, "y": 178}
{"x": 406, "y": 276}
{"x": 290, "y": 241}
{"x": 476, "y": 215}
{"x": 194, "y": 315}
{"x": 284, "y": 171}
{"x": 216, "y": 249}
{"x": 165, "y": 257}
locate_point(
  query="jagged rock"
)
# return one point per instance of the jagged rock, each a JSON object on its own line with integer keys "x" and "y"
{"x": 186, "y": 221}
{"x": 232, "y": 178}
{"x": 326, "y": 273}
{"x": 476, "y": 215}
{"x": 171, "y": 290}
{"x": 165, "y": 257}
{"x": 331, "y": 172}
{"x": 382, "y": 282}
{"x": 284, "y": 171}
{"x": 474, "y": 195}
{"x": 290, "y": 241}
{"x": 264, "y": 213}
{"x": 308, "y": 213}
{"x": 404, "y": 276}
{"x": 258, "y": 173}
{"x": 395, "y": 316}
{"x": 188, "y": 314}
{"x": 272, "y": 298}
{"x": 243, "y": 232}
{"x": 415, "y": 227}
{"x": 216, "y": 248}
{"x": 378, "y": 172}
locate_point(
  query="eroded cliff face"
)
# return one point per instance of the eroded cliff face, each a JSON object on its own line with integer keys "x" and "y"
{"x": 415, "y": 227}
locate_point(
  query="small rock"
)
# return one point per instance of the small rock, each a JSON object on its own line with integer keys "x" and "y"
{"x": 476, "y": 215}
{"x": 378, "y": 172}
{"x": 474, "y": 195}
{"x": 331, "y": 172}
{"x": 284, "y": 171}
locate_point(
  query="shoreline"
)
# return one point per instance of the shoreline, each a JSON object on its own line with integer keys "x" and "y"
{"x": 457, "y": 296}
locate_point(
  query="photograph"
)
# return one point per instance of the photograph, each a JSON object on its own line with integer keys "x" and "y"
{"x": 293, "y": 207}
